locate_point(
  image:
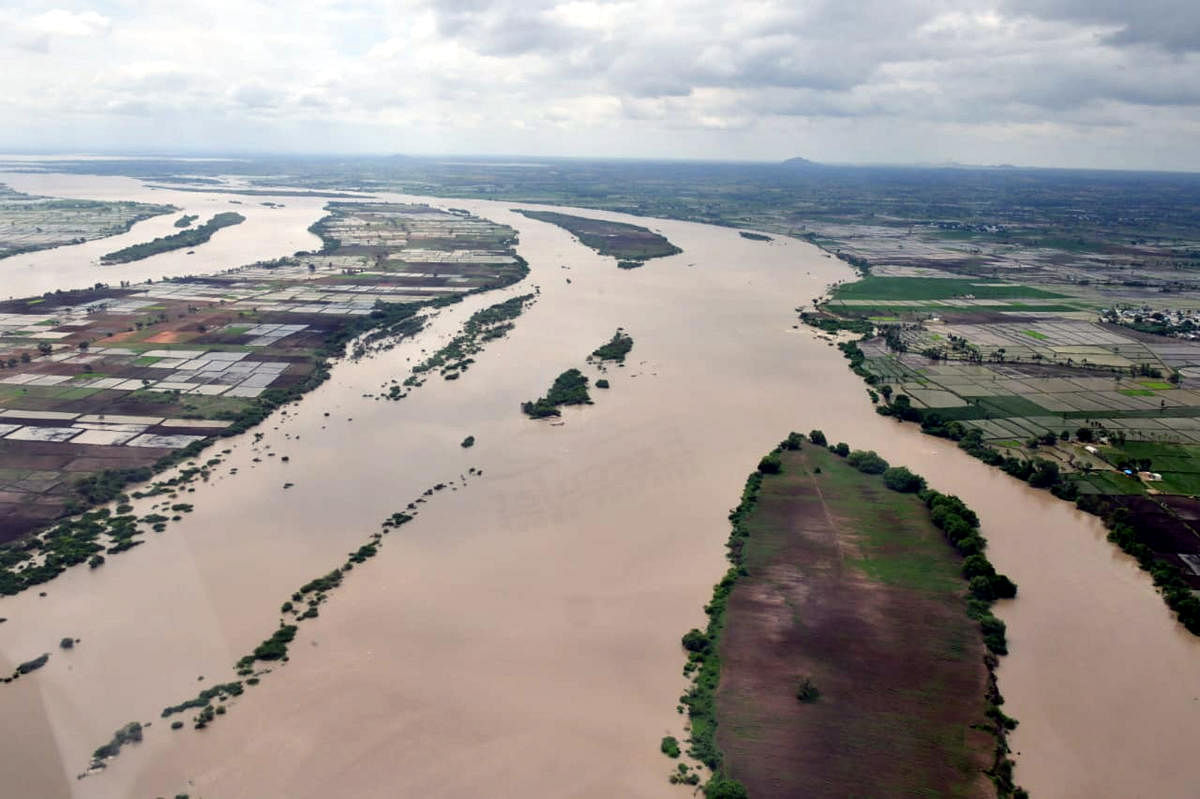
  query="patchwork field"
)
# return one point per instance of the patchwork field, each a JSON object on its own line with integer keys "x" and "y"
{"x": 30, "y": 223}
{"x": 119, "y": 378}
{"x": 1115, "y": 412}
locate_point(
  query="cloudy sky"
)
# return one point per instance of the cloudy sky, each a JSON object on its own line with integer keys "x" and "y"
{"x": 1107, "y": 83}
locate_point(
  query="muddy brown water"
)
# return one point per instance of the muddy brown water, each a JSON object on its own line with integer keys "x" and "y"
{"x": 520, "y": 638}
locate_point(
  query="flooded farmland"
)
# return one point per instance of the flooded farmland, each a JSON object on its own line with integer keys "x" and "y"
{"x": 268, "y": 232}
{"x": 520, "y": 637}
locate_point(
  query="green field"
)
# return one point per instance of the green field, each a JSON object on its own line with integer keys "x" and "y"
{"x": 937, "y": 308}
{"x": 998, "y": 407}
{"x": 934, "y": 288}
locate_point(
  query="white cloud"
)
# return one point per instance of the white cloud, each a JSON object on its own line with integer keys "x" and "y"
{"x": 58, "y": 22}
{"x": 993, "y": 80}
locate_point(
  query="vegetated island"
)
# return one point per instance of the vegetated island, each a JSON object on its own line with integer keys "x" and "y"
{"x": 851, "y": 642}
{"x": 176, "y": 241}
{"x": 616, "y": 349}
{"x": 746, "y": 234}
{"x": 569, "y": 388}
{"x": 186, "y": 220}
{"x": 456, "y": 356}
{"x": 631, "y": 245}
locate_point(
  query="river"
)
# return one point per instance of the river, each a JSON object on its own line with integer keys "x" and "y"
{"x": 520, "y": 637}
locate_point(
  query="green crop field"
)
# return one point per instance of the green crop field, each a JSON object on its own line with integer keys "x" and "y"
{"x": 933, "y": 288}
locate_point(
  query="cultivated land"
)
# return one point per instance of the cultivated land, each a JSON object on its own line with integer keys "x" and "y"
{"x": 100, "y": 382}
{"x": 849, "y": 588}
{"x": 29, "y": 223}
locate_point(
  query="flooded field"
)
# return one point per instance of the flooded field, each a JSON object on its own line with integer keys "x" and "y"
{"x": 520, "y": 637}
{"x": 268, "y": 232}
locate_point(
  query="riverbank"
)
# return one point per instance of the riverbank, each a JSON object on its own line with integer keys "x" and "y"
{"x": 845, "y": 652}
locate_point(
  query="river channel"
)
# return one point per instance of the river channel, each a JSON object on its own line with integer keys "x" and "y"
{"x": 521, "y": 637}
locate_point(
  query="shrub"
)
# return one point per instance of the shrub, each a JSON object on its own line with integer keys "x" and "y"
{"x": 993, "y": 634}
{"x": 807, "y": 690}
{"x": 1003, "y": 587}
{"x": 770, "y": 464}
{"x": 696, "y": 641}
{"x": 793, "y": 441}
{"x": 724, "y": 788}
{"x": 670, "y": 746}
{"x": 842, "y": 449}
{"x": 867, "y": 462}
{"x": 602, "y": 383}
{"x": 817, "y": 437}
{"x": 899, "y": 478}
{"x": 977, "y": 565}
{"x": 468, "y": 442}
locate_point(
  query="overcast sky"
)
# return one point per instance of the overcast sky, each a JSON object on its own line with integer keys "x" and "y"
{"x": 1104, "y": 83}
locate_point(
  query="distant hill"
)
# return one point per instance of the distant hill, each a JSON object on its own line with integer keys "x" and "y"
{"x": 799, "y": 162}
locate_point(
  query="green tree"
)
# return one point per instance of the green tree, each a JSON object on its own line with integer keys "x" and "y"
{"x": 725, "y": 788}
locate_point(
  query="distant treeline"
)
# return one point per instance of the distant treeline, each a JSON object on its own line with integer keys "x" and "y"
{"x": 176, "y": 241}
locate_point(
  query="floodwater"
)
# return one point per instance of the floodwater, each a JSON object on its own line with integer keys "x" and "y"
{"x": 267, "y": 233}
{"x": 520, "y": 637}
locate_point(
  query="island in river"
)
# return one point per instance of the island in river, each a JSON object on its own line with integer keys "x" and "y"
{"x": 844, "y": 655}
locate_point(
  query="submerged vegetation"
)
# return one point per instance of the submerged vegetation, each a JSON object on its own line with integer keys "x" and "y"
{"x": 131, "y": 733}
{"x": 569, "y": 388}
{"x": 176, "y": 241}
{"x": 615, "y": 349}
{"x": 300, "y": 607}
{"x": 457, "y": 355}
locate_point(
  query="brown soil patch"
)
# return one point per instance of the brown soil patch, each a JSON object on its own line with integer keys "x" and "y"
{"x": 166, "y": 337}
{"x": 900, "y": 669}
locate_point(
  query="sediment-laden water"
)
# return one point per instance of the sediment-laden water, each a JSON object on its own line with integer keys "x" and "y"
{"x": 520, "y": 637}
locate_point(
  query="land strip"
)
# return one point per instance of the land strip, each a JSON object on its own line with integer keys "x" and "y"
{"x": 839, "y": 649}
{"x": 193, "y": 237}
{"x": 631, "y": 245}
